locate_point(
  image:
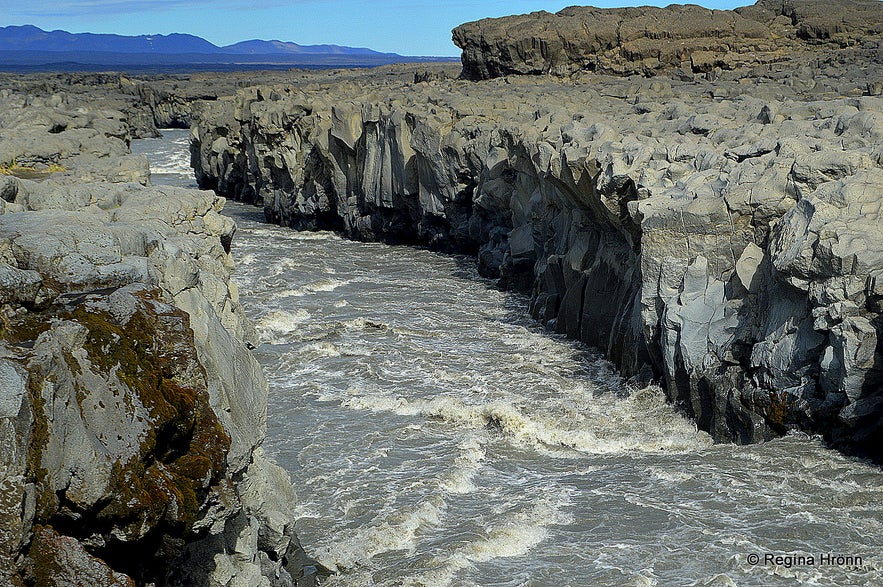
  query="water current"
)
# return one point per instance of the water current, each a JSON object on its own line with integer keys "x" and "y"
{"x": 437, "y": 436}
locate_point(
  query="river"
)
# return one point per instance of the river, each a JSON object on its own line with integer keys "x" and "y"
{"x": 437, "y": 436}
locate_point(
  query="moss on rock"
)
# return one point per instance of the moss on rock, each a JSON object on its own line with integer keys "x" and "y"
{"x": 153, "y": 355}
{"x": 147, "y": 354}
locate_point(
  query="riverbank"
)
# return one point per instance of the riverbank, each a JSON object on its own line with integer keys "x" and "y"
{"x": 132, "y": 407}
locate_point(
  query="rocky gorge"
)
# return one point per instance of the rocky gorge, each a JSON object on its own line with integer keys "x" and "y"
{"x": 707, "y": 217}
{"x": 132, "y": 411}
{"x": 713, "y": 227}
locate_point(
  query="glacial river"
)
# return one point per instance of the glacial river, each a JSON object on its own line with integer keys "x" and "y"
{"x": 438, "y": 436}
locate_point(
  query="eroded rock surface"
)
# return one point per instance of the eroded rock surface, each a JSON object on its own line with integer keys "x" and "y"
{"x": 144, "y": 103}
{"x": 647, "y": 39}
{"x": 717, "y": 233}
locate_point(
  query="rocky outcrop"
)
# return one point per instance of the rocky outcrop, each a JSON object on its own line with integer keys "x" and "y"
{"x": 715, "y": 235}
{"x": 144, "y": 103}
{"x": 43, "y": 135}
{"x": 167, "y": 103}
{"x": 646, "y": 40}
{"x": 131, "y": 407}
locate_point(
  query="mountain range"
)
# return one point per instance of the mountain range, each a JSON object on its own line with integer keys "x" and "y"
{"x": 29, "y": 48}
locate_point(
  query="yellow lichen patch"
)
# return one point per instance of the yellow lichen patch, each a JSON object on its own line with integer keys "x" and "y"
{"x": 42, "y": 552}
{"x": 30, "y": 171}
{"x": 23, "y": 328}
{"x": 47, "y": 500}
{"x": 779, "y": 411}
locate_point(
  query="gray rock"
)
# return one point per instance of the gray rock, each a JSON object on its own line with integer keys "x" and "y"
{"x": 723, "y": 248}
{"x": 646, "y": 40}
{"x": 48, "y": 140}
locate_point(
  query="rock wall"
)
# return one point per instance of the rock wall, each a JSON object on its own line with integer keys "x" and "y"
{"x": 718, "y": 234}
{"x": 131, "y": 409}
{"x": 143, "y": 104}
{"x": 646, "y": 40}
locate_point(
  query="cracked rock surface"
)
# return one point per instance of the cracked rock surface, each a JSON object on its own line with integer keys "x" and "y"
{"x": 718, "y": 233}
{"x": 647, "y": 39}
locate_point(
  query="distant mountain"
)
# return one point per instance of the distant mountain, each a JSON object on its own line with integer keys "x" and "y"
{"x": 258, "y": 47}
{"x": 31, "y": 38}
{"x": 28, "y": 48}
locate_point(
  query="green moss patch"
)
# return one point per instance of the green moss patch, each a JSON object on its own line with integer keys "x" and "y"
{"x": 157, "y": 494}
{"x": 184, "y": 453}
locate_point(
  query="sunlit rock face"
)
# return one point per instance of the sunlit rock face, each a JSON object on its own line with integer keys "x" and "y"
{"x": 131, "y": 409}
{"x": 646, "y": 40}
{"x": 717, "y": 233}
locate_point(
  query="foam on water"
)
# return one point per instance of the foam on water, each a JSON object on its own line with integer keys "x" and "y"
{"x": 322, "y": 285}
{"x": 169, "y": 157}
{"x": 466, "y": 466}
{"x": 274, "y": 326}
{"x": 174, "y": 164}
{"x": 354, "y": 548}
{"x": 319, "y": 349}
{"x": 512, "y": 536}
{"x": 553, "y": 428}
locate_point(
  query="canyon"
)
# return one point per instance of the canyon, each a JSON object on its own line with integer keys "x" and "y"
{"x": 716, "y": 232}
{"x": 707, "y": 217}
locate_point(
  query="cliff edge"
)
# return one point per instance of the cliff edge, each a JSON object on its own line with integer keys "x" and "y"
{"x": 131, "y": 410}
{"x": 646, "y": 40}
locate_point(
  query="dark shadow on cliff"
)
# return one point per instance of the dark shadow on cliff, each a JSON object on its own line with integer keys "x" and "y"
{"x": 868, "y": 442}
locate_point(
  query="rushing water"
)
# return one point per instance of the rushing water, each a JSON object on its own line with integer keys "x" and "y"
{"x": 439, "y": 437}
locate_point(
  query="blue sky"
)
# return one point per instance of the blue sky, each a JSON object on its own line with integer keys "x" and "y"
{"x": 415, "y": 27}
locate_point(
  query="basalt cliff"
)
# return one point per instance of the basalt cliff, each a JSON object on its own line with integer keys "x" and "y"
{"x": 645, "y": 40}
{"x": 131, "y": 409}
{"x": 697, "y": 197}
{"x": 713, "y": 227}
